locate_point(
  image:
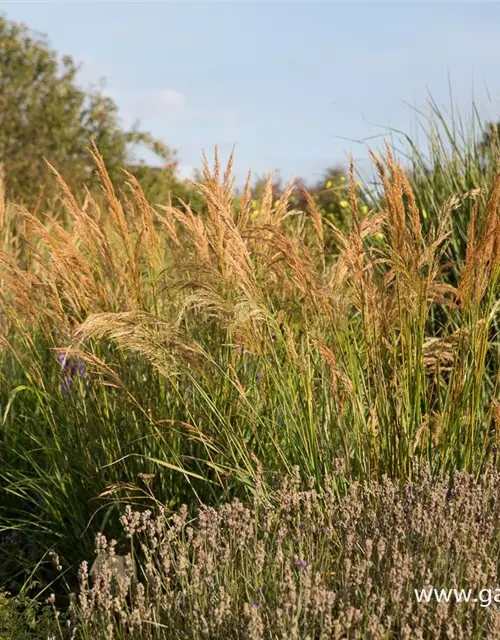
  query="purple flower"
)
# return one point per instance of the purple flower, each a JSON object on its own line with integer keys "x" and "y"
{"x": 71, "y": 367}
{"x": 66, "y": 384}
{"x": 65, "y": 390}
{"x": 255, "y": 603}
{"x": 300, "y": 563}
{"x": 61, "y": 357}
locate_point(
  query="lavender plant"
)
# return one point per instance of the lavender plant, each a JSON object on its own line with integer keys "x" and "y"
{"x": 298, "y": 564}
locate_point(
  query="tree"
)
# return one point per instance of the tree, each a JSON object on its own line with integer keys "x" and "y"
{"x": 43, "y": 113}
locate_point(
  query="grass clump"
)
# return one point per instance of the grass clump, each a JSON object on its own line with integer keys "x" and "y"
{"x": 155, "y": 355}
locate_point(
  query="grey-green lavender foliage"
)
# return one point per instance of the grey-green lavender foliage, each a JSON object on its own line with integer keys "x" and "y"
{"x": 297, "y": 565}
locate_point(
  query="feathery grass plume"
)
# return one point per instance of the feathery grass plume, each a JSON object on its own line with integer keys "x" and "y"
{"x": 153, "y": 247}
{"x": 219, "y": 276}
{"x": 93, "y": 234}
{"x": 280, "y": 211}
{"x": 245, "y": 204}
{"x": 167, "y": 221}
{"x": 483, "y": 249}
{"x": 20, "y": 291}
{"x": 66, "y": 266}
{"x": 353, "y": 270}
{"x": 152, "y": 338}
{"x": 220, "y": 235}
{"x": 414, "y": 212}
{"x": 219, "y": 200}
{"x": 130, "y": 267}
{"x": 196, "y": 237}
{"x": 318, "y": 225}
{"x": 116, "y": 209}
{"x": 396, "y": 223}
{"x": 405, "y": 254}
{"x": 266, "y": 204}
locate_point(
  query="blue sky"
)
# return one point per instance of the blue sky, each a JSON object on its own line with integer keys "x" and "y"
{"x": 284, "y": 81}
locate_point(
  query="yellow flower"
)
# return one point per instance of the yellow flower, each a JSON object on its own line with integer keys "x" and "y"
{"x": 329, "y": 184}
{"x": 342, "y": 178}
{"x": 424, "y": 213}
{"x": 379, "y": 236}
{"x": 364, "y": 209}
{"x": 343, "y": 204}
